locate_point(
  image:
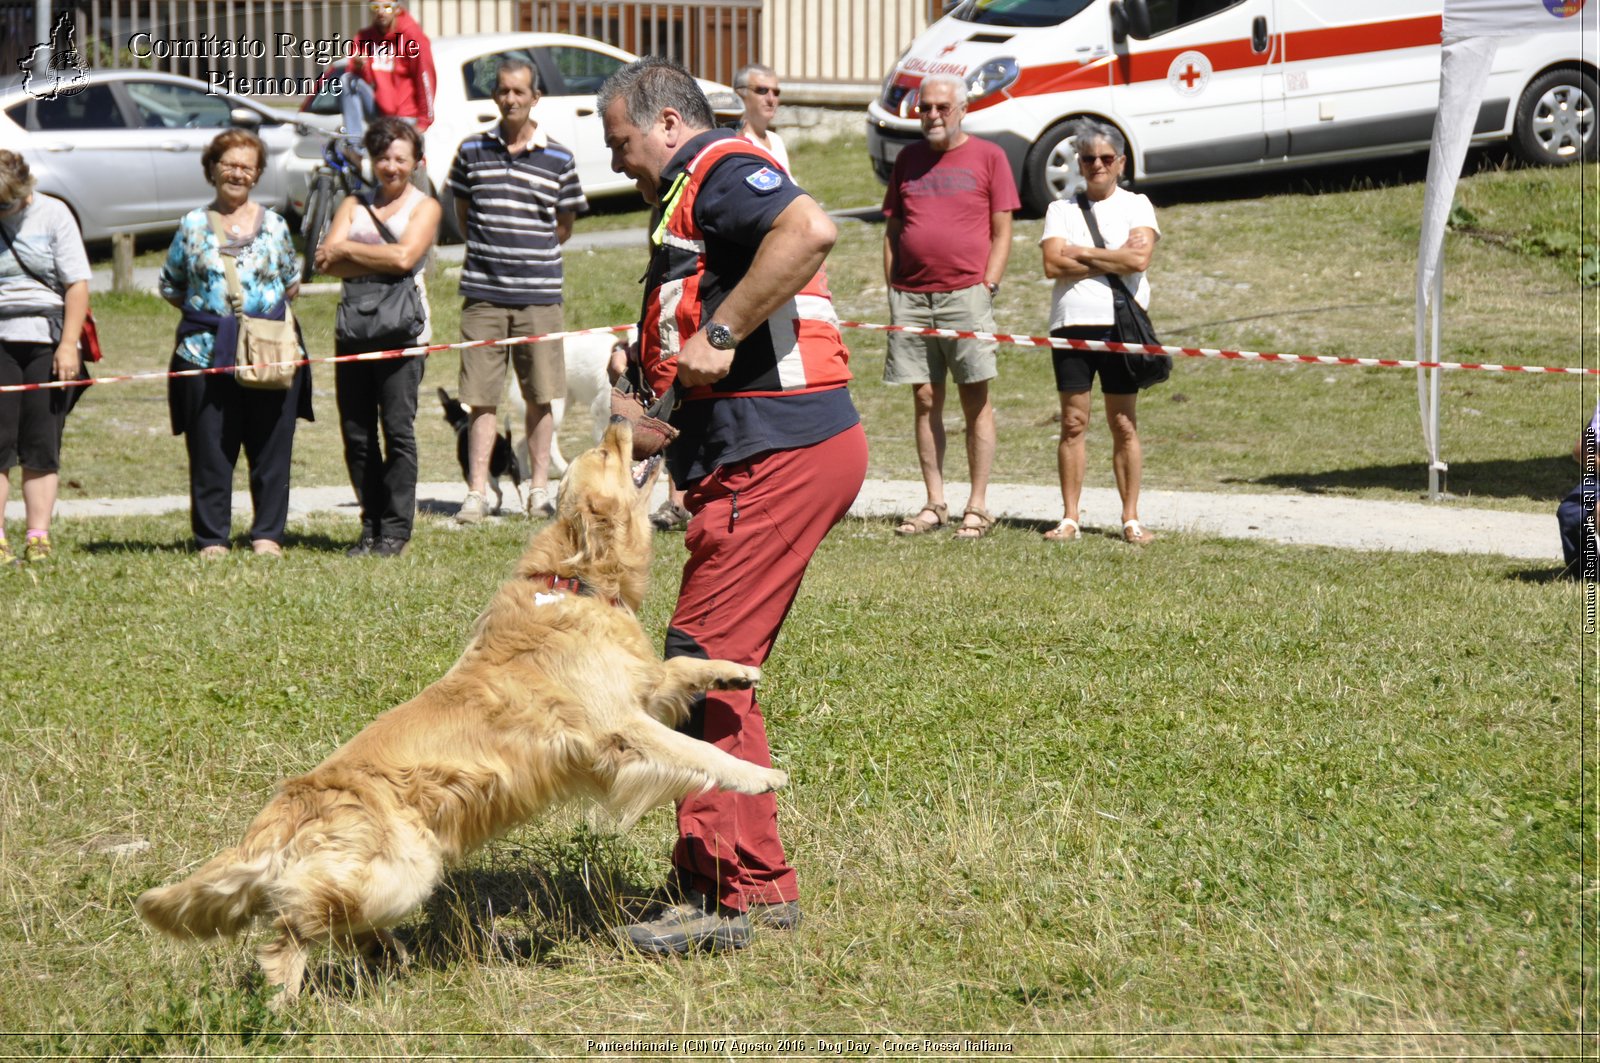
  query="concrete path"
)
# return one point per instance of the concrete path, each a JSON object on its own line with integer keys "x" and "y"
{"x": 1293, "y": 519}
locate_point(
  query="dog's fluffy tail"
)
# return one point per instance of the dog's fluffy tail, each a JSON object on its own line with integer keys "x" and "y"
{"x": 219, "y": 900}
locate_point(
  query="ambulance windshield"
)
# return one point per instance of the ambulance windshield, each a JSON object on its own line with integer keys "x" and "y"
{"x": 1019, "y": 12}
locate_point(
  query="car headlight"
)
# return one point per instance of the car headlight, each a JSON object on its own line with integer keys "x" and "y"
{"x": 992, "y": 76}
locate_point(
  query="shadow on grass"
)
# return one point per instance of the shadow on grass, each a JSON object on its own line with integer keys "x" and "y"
{"x": 518, "y": 915}
{"x": 1558, "y": 574}
{"x": 318, "y": 542}
{"x": 1535, "y": 478}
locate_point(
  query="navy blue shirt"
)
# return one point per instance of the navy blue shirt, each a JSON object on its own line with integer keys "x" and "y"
{"x": 738, "y": 201}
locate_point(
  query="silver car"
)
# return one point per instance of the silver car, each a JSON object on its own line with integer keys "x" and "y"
{"x": 123, "y": 149}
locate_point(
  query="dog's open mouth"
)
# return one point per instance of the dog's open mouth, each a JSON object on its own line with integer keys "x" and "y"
{"x": 643, "y": 469}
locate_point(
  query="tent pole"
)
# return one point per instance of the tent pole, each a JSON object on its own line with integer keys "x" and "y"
{"x": 1436, "y": 466}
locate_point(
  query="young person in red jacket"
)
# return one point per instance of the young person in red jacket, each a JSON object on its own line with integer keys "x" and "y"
{"x": 391, "y": 71}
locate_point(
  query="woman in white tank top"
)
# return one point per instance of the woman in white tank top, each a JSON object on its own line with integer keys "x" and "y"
{"x": 384, "y": 392}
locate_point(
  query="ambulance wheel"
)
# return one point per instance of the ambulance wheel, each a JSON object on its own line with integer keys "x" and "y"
{"x": 1556, "y": 119}
{"x": 1050, "y": 171}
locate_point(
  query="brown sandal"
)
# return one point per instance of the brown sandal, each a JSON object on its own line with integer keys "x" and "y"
{"x": 1064, "y": 532}
{"x": 978, "y": 530}
{"x": 916, "y": 524}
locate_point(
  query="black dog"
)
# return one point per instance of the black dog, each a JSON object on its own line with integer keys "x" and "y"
{"x": 501, "y": 461}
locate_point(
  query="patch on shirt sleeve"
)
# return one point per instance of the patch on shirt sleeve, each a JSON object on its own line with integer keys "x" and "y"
{"x": 765, "y": 180}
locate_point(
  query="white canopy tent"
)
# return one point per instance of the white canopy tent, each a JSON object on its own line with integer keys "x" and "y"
{"x": 1471, "y": 35}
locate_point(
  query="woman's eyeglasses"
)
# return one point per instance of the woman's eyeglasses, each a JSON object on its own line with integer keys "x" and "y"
{"x": 763, "y": 90}
{"x": 228, "y": 167}
{"x": 1105, "y": 160}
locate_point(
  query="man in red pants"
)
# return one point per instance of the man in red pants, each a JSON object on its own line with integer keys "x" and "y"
{"x": 738, "y": 320}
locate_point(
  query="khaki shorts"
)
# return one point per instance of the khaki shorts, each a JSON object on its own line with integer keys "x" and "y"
{"x": 541, "y": 367}
{"x": 926, "y": 359}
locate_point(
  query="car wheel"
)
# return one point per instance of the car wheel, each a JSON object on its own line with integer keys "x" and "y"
{"x": 1050, "y": 171}
{"x": 1556, "y": 119}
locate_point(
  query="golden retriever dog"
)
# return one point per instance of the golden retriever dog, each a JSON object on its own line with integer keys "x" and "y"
{"x": 558, "y": 695}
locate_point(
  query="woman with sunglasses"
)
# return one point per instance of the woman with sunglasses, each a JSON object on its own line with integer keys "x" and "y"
{"x": 1082, "y": 308}
{"x": 213, "y": 412}
{"x": 757, "y": 86}
{"x": 44, "y": 296}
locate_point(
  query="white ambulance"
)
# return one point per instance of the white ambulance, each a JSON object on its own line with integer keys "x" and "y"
{"x": 1205, "y": 88}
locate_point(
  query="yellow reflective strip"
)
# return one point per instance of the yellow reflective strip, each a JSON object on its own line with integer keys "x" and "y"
{"x": 674, "y": 194}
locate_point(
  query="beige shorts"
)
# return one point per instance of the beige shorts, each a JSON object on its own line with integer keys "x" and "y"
{"x": 541, "y": 367}
{"x": 926, "y": 359}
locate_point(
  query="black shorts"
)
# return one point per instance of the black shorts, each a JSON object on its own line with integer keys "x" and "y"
{"x": 30, "y": 421}
{"x": 1075, "y": 369}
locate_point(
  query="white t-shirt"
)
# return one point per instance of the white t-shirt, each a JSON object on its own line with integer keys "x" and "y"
{"x": 1088, "y": 301}
{"x": 774, "y": 147}
{"x": 47, "y": 238}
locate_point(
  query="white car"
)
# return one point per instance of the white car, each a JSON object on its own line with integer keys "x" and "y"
{"x": 123, "y": 148}
{"x": 571, "y": 69}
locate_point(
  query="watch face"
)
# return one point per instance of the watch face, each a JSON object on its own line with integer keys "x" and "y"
{"x": 720, "y": 336}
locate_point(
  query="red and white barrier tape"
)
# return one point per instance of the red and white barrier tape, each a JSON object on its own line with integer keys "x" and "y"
{"x": 998, "y": 337}
{"x": 367, "y": 356}
{"x": 1206, "y": 352}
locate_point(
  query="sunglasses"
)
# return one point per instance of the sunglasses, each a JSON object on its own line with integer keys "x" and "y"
{"x": 382, "y": 9}
{"x": 762, "y": 90}
{"x": 935, "y": 108}
{"x": 1105, "y": 160}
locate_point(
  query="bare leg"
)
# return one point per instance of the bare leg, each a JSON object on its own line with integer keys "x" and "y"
{"x": 541, "y": 429}
{"x": 1127, "y": 456}
{"x": 1071, "y": 452}
{"x": 39, "y": 496}
{"x": 482, "y": 428}
{"x": 979, "y": 414}
{"x": 928, "y": 410}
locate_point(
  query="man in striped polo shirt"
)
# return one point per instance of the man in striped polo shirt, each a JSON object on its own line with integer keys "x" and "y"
{"x": 516, "y": 196}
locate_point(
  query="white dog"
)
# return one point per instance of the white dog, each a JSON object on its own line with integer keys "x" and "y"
{"x": 587, "y": 385}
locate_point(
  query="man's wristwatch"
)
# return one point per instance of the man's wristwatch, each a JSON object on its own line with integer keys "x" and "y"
{"x": 720, "y": 336}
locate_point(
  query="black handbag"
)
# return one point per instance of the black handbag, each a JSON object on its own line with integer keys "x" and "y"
{"x": 378, "y": 308}
{"x": 1132, "y": 323}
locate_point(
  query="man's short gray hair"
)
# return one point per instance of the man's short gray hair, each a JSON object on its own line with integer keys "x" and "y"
{"x": 1086, "y": 131}
{"x": 954, "y": 82}
{"x": 741, "y": 79}
{"x": 513, "y": 63}
{"x": 651, "y": 85}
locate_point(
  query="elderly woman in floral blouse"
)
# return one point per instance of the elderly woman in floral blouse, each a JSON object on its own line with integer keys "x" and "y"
{"x": 213, "y": 413}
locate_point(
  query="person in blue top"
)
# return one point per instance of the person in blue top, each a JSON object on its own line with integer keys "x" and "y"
{"x": 214, "y": 414}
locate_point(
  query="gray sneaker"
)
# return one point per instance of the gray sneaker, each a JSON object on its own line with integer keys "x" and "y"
{"x": 694, "y": 926}
{"x": 473, "y": 510}
{"x": 539, "y": 504}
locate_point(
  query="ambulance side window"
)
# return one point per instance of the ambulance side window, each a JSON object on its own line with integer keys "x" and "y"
{"x": 1174, "y": 14}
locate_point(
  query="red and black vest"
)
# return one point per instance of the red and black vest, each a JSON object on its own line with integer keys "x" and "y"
{"x": 798, "y": 349}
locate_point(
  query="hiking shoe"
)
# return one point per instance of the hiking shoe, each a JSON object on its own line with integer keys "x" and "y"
{"x": 7, "y": 557}
{"x": 698, "y": 925}
{"x": 37, "y": 550}
{"x": 362, "y": 548}
{"x": 388, "y": 546}
{"x": 473, "y": 510}
{"x": 784, "y": 915}
{"x": 669, "y": 515}
{"x": 539, "y": 504}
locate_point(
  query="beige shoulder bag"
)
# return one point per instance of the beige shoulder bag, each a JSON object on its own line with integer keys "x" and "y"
{"x": 268, "y": 352}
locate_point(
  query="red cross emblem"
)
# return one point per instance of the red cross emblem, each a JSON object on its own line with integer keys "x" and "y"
{"x": 1190, "y": 76}
{"x": 947, "y": 49}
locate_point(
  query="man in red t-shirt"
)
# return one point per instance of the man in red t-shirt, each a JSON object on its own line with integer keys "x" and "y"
{"x": 391, "y": 71}
{"x": 949, "y": 210}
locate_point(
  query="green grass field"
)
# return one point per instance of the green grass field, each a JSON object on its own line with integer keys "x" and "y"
{"x": 1206, "y": 799}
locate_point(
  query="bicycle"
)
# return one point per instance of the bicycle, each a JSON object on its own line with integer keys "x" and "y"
{"x": 338, "y": 176}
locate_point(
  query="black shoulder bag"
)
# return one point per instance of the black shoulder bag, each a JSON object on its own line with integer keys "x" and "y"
{"x": 1133, "y": 324}
{"x": 379, "y": 308}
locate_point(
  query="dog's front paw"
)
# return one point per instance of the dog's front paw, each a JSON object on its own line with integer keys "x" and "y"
{"x": 776, "y": 780}
{"x": 739, "y": 677}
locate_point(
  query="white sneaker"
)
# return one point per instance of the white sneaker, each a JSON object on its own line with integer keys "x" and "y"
{"x": 473, "y": 510}
{"x": 539, "y": 503}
